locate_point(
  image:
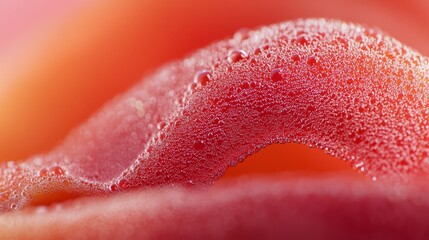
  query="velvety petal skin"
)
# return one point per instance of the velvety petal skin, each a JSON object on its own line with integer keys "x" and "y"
{"x": 352, "y": 91}
{"x": 282, "y": 208}
{"x": 335, "y": 86}
{"x": 100, "y": 48}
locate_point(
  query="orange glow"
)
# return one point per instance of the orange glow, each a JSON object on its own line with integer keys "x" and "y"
{"x": 290, "y": 158}
{"x": 62, "y": 60}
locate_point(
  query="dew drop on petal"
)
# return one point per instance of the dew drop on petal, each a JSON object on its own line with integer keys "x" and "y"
{"x": 203, "y": 77}
{"x": 161, "y": 125}
{"x": 295, "y": 58}
{"x": 123, "y": 183}
{"x": 312, "y": 61}
{"x": 199, "y": 145}
{"x": 43, "y": 172}
{"x": 57, "y": 170}
{"x": 113, "y": 187}
{"x": 302, "y": 40}
{"x": 192, "y": 87}
{"x": 242, "y": 34}
{"x": 236, "y": 56}
{"x": 276, "y": 75}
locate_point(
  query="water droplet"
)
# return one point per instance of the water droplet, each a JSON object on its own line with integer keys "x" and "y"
{"x": 203, "y": 77}
{"x": 295, "y": 58}
{"x": 43, "y": 172}
{"x": 343, "y": 42}
{"x": 311, "y": 108}
{"x": 24, "y": 194}
{"x": 242, "y": 34}
{"x": 311, "y": 61}
{"x": 302, "y": 40}
{"x": 161, "y": 125}
{"x": 236, "y": 55}
{"x": 57, "y": 170}
{"x": 161, "y": 136}
{"x": 113, "y": 187}
{"x": 233, "y": 163}
{"x": 244, "y": 85}
{"x": 192, "y": 87}
{"x": 276, "y": 75}
{"x": 359, "y": 164}
{"x": 13, "y": 206}
{"x": 359, "y": 39}
{"x": 123, "y": 183}
{"x": 199, "y": 145}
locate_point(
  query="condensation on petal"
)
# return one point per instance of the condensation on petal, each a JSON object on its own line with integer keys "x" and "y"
{"x": 354, "y": 92}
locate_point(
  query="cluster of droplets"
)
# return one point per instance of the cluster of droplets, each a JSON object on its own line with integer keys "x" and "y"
{"x": 235, "y": 56}
{"x": 314, "y": 97}
{"x": 119, "y": 185}
{"x": 353, "y": 92}
{"x": 201, "y": 79}
{"x": 23, "y": 182}
{"x": 302, "y": 66}
{"x": 24, "y": 177}
{"x": 52, "y": 171}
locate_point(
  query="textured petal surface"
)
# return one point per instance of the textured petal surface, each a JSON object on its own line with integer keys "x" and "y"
{"x": 355, "y": 92}
{"x": 328, "y": 208}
